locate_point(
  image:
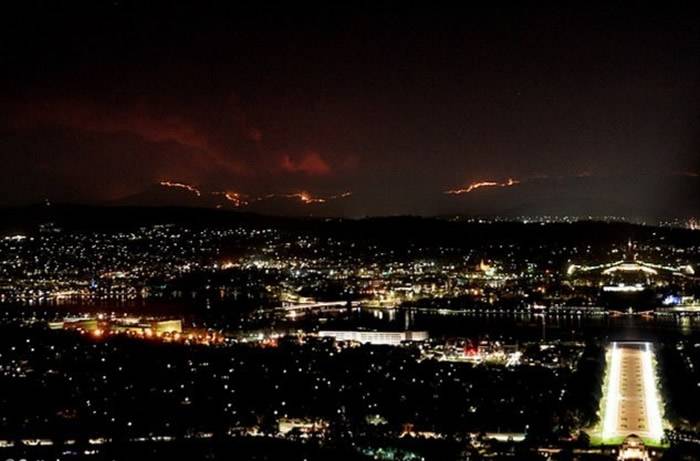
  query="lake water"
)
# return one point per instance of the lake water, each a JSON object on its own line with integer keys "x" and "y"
{"x": 505, "y": 325}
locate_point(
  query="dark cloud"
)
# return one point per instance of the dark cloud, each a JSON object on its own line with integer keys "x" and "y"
{"x": 104, "y": 100}
{"x": 144, "y": 143}
{"x": 133, "y": 120}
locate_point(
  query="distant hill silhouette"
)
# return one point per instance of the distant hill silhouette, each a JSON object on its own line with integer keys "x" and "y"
{"x": 387, "y": 231}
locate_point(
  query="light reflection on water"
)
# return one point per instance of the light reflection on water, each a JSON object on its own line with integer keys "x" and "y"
{"x": 529, "y": 325}
{"x": 514, "y": 325}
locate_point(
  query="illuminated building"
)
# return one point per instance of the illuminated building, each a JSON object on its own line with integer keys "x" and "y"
{"x": 140, "y": 327}
{"x": 631, "y": 265}
{"x": 629, "y": 281}
{"x": 132, "y": 325}
{"x": 167, "y": 326}
{"x": 390, "y": 338}
{"x": 305, "y": 426}
{"x": 83, "y": 324}
{"x": 633, "y": 449}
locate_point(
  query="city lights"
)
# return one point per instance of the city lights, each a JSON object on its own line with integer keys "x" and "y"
{"x": 349, "y": 231}
{"x": 321, "y": 300}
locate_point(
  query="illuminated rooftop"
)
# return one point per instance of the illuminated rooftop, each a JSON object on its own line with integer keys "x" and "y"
{"x": 631, "y": 265}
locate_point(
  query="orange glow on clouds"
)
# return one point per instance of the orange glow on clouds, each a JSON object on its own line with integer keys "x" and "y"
{"x": 478, "y": 185}
{"x": 137, "y": 119}
{"x": 310, "y": 163}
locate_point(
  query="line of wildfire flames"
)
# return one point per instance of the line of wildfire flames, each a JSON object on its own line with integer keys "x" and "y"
{"x": 238, "y": 199}
{"x": 180, "y": 185}
{"x": 477, "y": 185}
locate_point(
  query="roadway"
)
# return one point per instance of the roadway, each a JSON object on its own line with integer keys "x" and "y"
{"x": 632, "y": 403}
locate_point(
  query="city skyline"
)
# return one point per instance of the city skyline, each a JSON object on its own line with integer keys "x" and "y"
{"x": 368, "y": 231}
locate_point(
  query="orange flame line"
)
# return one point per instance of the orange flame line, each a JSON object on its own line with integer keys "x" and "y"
{"x": 234, "y": 197}
{"x": 305, "y": 197}
{"x": 180, "y": 185}
{"x": 240, "y": 199}
{"x": 477, "y": 185}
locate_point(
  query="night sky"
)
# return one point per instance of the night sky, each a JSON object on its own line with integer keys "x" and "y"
{"x": 586, "y": 112}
